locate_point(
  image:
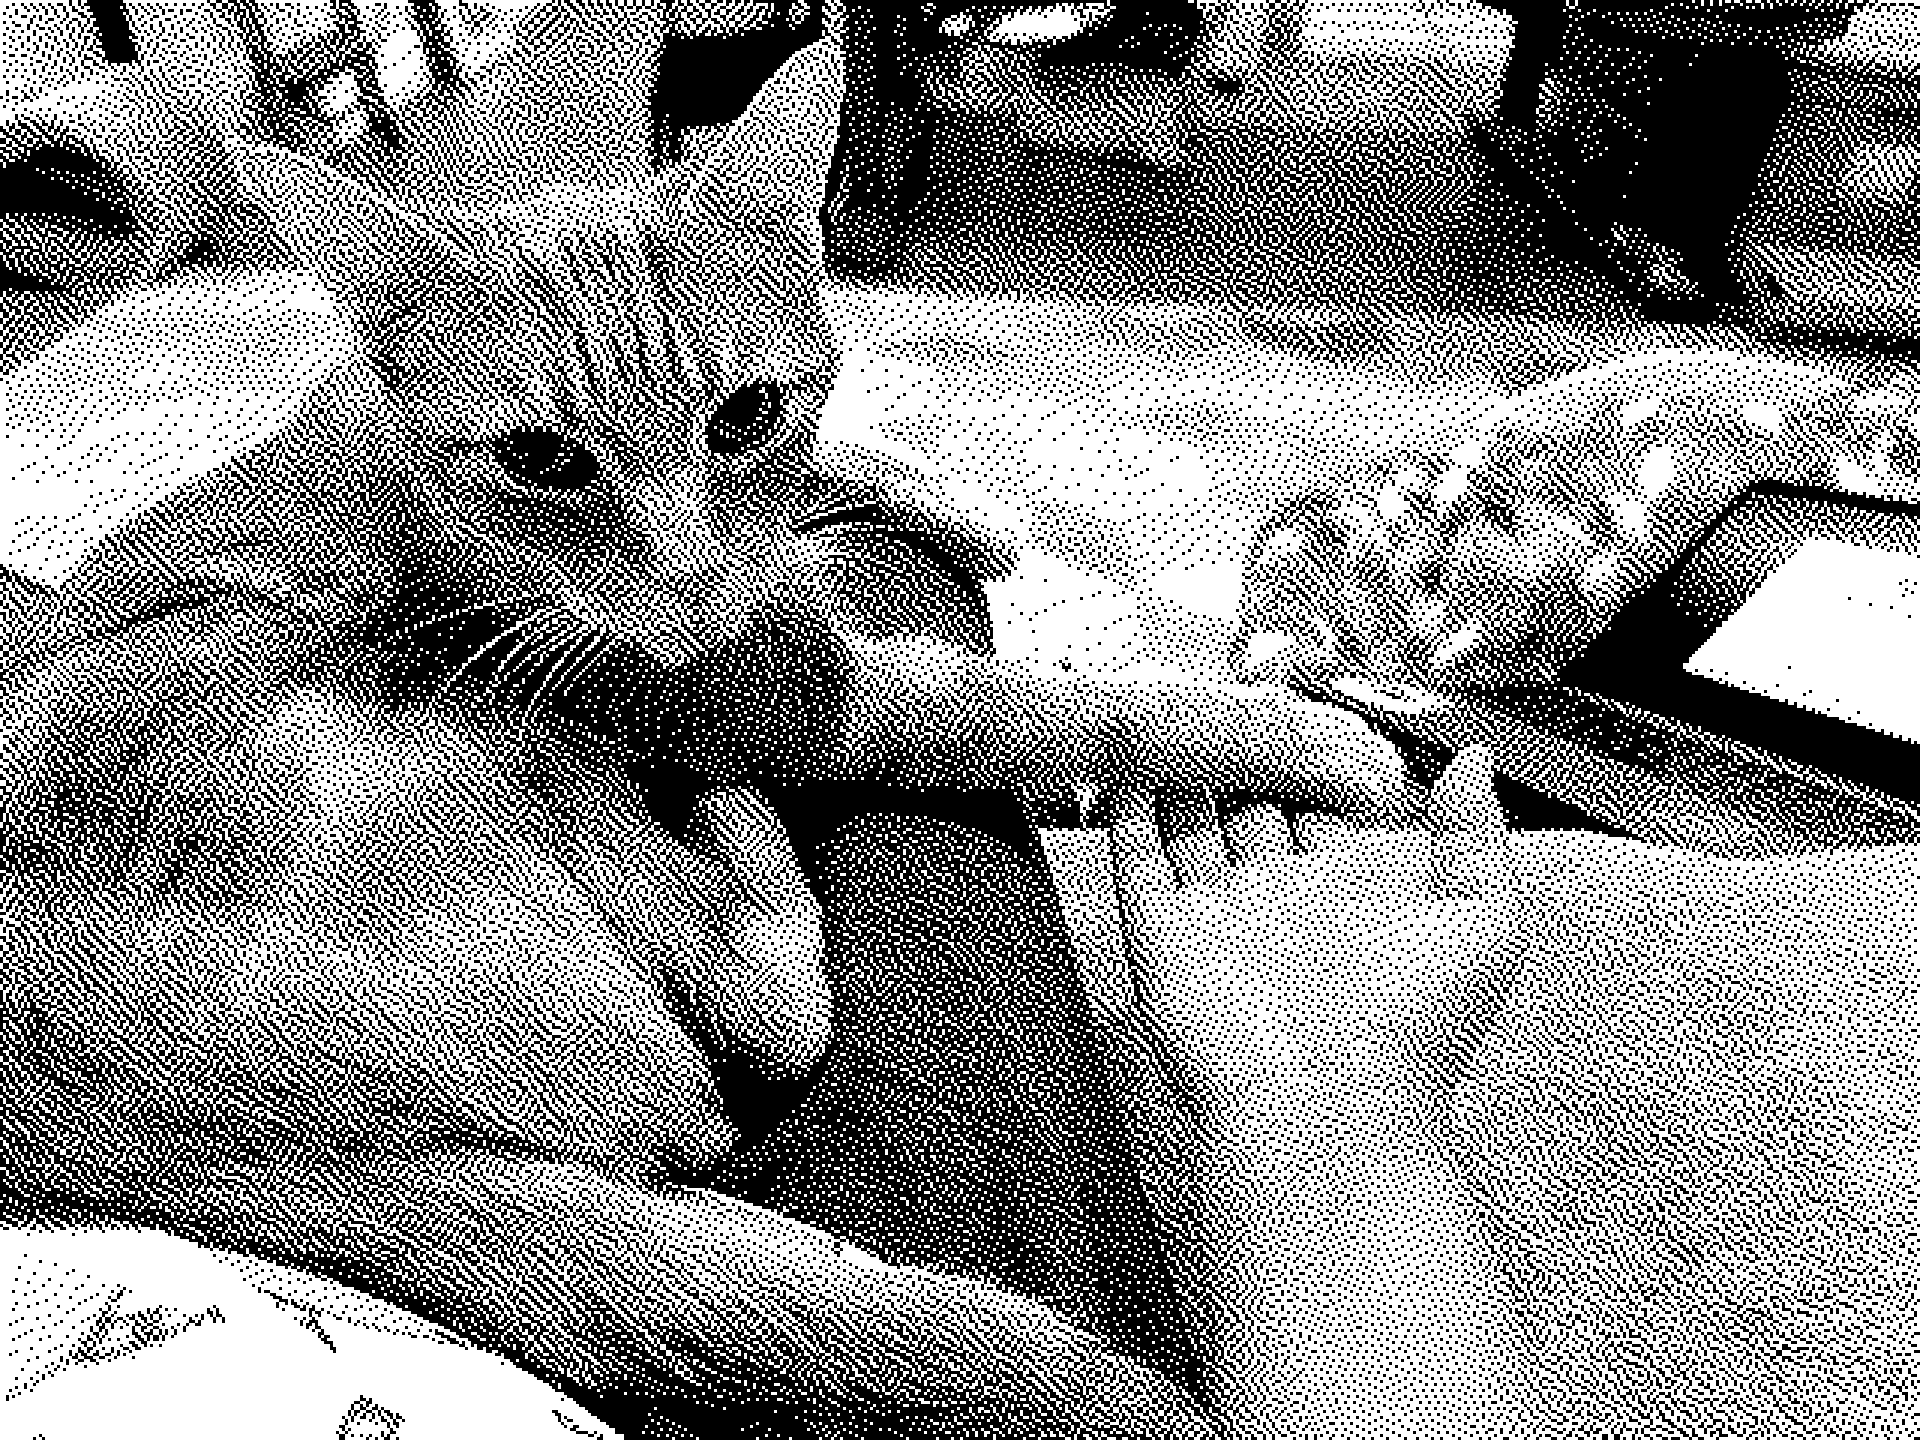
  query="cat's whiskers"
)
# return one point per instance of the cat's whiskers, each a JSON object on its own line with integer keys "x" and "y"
{"x": 461, "y": 612}
{"x": 684, "y": 629}
{"x": 567, "y": 661}
{"x": 446, "y": 687}
{"x": 529, "y": 648}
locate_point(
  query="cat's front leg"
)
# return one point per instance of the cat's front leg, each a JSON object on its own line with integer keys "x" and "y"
{"x": 921, "y": 713}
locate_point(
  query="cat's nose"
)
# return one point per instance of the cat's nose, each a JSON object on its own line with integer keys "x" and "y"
{"x": 689, "y": 556}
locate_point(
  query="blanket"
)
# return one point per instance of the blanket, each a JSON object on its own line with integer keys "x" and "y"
{"x": 115, "y": 1331}
{"x": 1496, "y": 562}
{"x": 1697, "y": 1130}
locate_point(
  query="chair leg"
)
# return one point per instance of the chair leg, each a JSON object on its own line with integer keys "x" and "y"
{"x": 1538, "y": 33}
{"x": 882, "y": 165}
{"x": 664, "y": 141}
{"x": 1702, "y": 165}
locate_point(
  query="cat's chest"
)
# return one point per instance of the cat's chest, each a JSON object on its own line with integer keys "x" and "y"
{"x": 412, "y": 829}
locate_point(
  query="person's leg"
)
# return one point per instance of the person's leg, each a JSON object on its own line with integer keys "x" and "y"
{"x": 963, "y": 1119}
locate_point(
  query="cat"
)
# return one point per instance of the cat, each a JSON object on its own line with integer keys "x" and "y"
{"x": 612, "y": 401}
{"x": 326, "y": 792}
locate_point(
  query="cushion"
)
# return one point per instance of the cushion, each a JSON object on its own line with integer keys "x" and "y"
{"x": 126, "y": 173}
{"x": 1496, "y": 562}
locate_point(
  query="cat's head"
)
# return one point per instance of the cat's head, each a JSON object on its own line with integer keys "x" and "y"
{"x": 607, "y": 396}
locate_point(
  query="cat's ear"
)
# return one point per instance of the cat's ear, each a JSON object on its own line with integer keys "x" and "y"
{"x": 779, "y": 152}
{"x": 370, "y": 254}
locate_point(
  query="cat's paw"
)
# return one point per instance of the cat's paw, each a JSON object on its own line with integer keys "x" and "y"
{"x": 1266, "y": 740}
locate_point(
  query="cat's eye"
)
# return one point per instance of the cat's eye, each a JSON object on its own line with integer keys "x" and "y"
{"x": 546, "y": 463}
{"x": 746, "y": 419}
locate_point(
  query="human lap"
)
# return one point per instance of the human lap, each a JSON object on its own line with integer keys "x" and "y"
{"x": 1692, "y": 1124}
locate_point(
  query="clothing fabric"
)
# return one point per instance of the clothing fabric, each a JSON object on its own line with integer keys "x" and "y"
{"x": 963, "y": 1119}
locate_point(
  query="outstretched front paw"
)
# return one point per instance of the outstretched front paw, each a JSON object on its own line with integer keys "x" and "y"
{"x": 1269, "y": 740}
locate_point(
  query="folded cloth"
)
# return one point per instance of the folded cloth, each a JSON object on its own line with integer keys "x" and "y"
{"x": 115, "y": 1330}
{"x": 1499, "y": 562}
{"x": 111, "y": 181}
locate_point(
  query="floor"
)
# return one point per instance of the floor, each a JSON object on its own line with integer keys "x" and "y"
{"x": 1342, "y": 179}
{"x": 1341, "y": 176}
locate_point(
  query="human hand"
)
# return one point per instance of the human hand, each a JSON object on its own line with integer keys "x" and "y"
{"x": 1258, "y": 969}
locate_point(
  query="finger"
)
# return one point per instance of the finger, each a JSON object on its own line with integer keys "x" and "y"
{"x": 1464, "y": 797}
{"x": 1193, "y": 839}
{"x": 1471, "y": 856}
{"x": 1259, "y": 833}
{"x": 1143, "y": 875}
{"x": 738, "y": 827}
